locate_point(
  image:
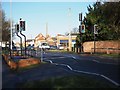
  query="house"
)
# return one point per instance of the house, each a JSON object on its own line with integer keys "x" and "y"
{"x": 51, "y": 40}
{"x": 40, "y": 38}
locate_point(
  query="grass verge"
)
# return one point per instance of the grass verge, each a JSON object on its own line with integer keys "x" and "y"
{"x": 66, "y": 82}
{"x": 61, "y": 51}
{"x": 109, "y": 55}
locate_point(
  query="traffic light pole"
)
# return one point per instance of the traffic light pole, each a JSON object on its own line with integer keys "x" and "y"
{"x": 80, "y": 19}
{"x": 94, "y": 43}
{"x": 81, "y": 42}
{"x": 25, "y": 40}
{"x": 20, "y": 42}
{"x": 95, "y": 32}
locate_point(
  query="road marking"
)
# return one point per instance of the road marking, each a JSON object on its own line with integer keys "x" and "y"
{"x": 109, "y": 63}
{"x": 110, "y": 80}
{"x": 90, "y": 73}
{"x": 96, "y": 61}
{"x": 86, "y": 72}
{"x": 74, "y": 57}
{"x": 69, "y": 67}
{"x": 103, "y": 62}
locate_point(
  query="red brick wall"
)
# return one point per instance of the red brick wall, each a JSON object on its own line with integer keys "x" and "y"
{"x": 102, "y": 44}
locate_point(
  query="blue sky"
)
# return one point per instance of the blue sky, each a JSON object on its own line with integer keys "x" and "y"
{"x": 37, "y": 14}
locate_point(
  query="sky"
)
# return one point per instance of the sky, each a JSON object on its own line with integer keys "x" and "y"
{"x": 36, "y": 14}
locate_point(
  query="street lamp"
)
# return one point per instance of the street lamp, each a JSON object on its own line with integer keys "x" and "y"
{"x": 10, "y": 26}
{"x": 70, "y": 39}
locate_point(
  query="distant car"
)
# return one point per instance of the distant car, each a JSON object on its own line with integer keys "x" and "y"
{"x": 44, "y": 45}
{"x": 29, "y": 47}
{"x": 60, "y": 47}
{"x": 53, "y": 47}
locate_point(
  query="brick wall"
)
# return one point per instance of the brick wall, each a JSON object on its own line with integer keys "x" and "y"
{"x": 106, "y": 45}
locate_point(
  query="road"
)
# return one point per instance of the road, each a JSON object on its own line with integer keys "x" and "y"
{"x": 63, "y": 64}
{"x": 107, "y": 68}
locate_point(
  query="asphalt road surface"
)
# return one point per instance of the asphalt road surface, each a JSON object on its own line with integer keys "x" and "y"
{"x": 107, "y": 68}
{"x": 63, "y": 64}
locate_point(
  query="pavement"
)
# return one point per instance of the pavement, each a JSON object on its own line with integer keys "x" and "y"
{"x": 44, "y": 71}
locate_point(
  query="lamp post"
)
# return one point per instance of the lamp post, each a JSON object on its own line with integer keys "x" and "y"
{"x": 10, "y": 27}
{"x": 70, "y": 40}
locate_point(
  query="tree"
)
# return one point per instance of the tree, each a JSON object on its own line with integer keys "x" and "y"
{"x": 5, "y": 27}
{"x": 107, "y": 17}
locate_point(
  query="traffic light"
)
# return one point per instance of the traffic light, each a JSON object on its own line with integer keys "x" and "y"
{"x": 17, "y": 28}
{"x": 95, "y": 29}
{"x": 22, "y": 25}
{"x": 82, "y": 28}
{"x": 80, "y": 17}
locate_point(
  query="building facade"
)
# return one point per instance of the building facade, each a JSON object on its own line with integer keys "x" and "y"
{"x": 64, "y": 40}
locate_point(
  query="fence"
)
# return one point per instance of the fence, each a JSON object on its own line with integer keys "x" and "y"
{"x": 29, "y": 53}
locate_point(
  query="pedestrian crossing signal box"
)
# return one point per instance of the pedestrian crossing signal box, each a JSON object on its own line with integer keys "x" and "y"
{"x": 82, "y": 28}
{"x": 16, "y": 28}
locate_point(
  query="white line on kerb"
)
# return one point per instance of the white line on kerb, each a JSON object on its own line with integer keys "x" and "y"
{"x": 117, "y": 84}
